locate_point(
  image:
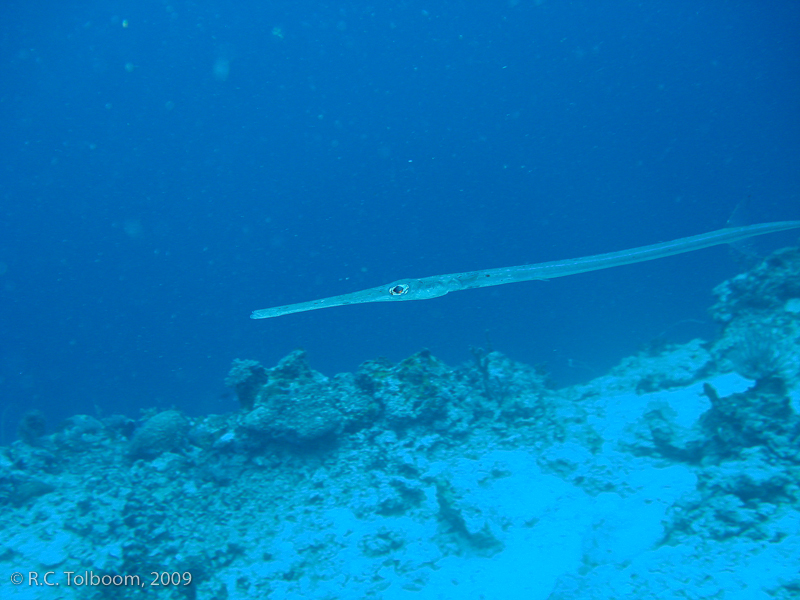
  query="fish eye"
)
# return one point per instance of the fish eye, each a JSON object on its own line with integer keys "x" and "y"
{"x": 398, "y": 290}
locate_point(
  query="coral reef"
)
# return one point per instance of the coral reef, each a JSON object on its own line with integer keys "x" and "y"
{"x": 246, "y": 377}
{"x": 768, "y": 287}
{"x": 760, "y": 314}
{"x": 163, "y": 432}
{"x": 673, "y": 476}
{"x": 298, "y": 405}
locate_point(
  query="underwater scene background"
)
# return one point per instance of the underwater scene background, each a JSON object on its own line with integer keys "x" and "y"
{"x": 170, "y": 166}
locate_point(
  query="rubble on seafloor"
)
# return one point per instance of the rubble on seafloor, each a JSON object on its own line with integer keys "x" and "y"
{"x": 676, "y": 475}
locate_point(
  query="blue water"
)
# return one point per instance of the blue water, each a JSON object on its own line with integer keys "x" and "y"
{"x": 167, "y": 168}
